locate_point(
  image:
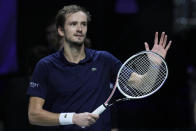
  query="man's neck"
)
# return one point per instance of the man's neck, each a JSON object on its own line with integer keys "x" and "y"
{"x": 74, "y": 54}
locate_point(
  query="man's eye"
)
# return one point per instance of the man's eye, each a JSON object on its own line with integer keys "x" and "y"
{"x": 73, "y": 24}
{"x": 84, "y": 24}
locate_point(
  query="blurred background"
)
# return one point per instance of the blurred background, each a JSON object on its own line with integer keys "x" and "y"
{"x": 118, "y": 26}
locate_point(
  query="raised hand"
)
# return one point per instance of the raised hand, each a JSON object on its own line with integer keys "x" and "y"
{"x": 160, "y": 46}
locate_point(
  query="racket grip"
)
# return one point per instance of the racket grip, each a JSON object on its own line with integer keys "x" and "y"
{"x": 99, "y": 110}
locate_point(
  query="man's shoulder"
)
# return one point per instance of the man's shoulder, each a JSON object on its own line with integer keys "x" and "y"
{"x": 104, "y": 56}
{"x": 48, "y": 59}
{"x": 100, "y": 52}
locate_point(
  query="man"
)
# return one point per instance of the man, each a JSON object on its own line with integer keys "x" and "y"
{"x": 69, "y": 84}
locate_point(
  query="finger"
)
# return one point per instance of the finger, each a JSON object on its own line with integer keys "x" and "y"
{"x": 146, "y": 46}
{"x": 91, "y": 121}
{"x": 92, "y": 118}
{"x": 162, "y": 38}
{"x": 164, "y": 41}
{"x": 156, "y": 38}
{"x": 168, "y": 46}
{"x": 95, "y": 116}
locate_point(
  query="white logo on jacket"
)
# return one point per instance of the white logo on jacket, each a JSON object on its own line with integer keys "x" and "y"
{"x": 33, "y": 84}
{"x": 93, "y": 69}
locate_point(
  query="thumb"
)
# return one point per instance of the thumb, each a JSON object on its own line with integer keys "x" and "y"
{"x": 95, "y": 116}
{"x": 146, "y": 46}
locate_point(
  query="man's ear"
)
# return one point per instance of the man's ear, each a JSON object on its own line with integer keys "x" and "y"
{"x": 61, "y": 31}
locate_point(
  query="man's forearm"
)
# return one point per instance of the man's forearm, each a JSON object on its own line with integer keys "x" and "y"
{"x": 38, "y": 116}
{"x": 43, "y": 118}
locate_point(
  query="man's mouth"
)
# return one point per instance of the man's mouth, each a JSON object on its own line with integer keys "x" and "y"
{"x": 79, "y": 35}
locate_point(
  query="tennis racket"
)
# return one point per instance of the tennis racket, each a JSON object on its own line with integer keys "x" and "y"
{"x": 140, "y": 76}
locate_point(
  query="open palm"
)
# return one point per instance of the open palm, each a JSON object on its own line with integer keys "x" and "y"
{"x": 160, "y": 46}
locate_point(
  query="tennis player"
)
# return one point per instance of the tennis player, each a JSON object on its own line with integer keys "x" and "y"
{"x": 69, "y": 84}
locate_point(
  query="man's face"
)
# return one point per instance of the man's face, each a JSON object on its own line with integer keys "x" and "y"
{"x": 75, "y": 28}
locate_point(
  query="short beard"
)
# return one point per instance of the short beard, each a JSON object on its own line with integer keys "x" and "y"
{"x": 74, "y": 44}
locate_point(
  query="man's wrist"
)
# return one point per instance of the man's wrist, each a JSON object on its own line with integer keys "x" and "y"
{"x": 66, "y": 118}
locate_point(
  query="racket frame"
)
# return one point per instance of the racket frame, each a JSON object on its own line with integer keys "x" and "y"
{"x": 106, "y": 104}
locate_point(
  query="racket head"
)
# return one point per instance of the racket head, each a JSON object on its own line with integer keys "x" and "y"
{"x": 135, "y": 64}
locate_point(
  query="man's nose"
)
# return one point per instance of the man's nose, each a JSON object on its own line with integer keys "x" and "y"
{"x": 79, "y": 28}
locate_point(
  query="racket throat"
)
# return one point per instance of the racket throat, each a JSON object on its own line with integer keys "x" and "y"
{"x": 117, "y": 101}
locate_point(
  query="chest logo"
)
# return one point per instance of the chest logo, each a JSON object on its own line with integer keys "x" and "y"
{"x": 93, "y": 69}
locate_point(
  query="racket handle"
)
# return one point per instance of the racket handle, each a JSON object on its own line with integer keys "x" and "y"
{"x": 99, "y": 110}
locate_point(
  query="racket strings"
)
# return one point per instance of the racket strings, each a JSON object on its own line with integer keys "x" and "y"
{"x": 142, "y": 75}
